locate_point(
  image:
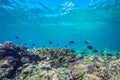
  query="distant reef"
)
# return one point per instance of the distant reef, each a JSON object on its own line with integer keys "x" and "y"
{"x": 18, "y": 62}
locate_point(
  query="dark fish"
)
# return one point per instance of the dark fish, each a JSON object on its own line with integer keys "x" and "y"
{"x": 95, "y": 50}
{"x": 33, "y": 44}
{"x": 117, "y": 54}
{"x": 87, "y": 42}
{"x": 71, "y": 42}
{"x": 50, "y": 42}
{"x": 109, "y": 54}
{"x": 16, "y": 37}
{"x": 90, "y": 47}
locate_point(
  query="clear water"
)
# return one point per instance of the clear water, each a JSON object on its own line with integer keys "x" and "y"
{"x": 59, "y": 21}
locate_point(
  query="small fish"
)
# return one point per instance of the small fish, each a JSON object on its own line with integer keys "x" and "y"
{"x": 16, "y": 37}
{"x": 87, "y": 42}
{"x": 33, "y": 44}
{"x": 71, "y": 42}
{"x": 95, "y": 50}
{"x": 50, "y": 42}
{"x": 117, "y": 54}
{"x": 90, "y": 47}
{"x": 109, "y": 54}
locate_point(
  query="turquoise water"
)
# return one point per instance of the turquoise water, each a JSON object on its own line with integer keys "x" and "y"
{"x": 40, "y": 21}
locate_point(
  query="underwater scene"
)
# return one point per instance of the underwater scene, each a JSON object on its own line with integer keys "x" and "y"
{"x": 59, "y": 39}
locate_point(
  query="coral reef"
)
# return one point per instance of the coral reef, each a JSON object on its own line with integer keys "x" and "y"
{"x": 115, "y": 67}
{"x": 12, "y": 57}
{"x": 57, "y": 57}
{"x": 19, "y": 63}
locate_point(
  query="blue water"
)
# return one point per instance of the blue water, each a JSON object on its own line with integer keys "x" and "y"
{"x": 59, "y": 21}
